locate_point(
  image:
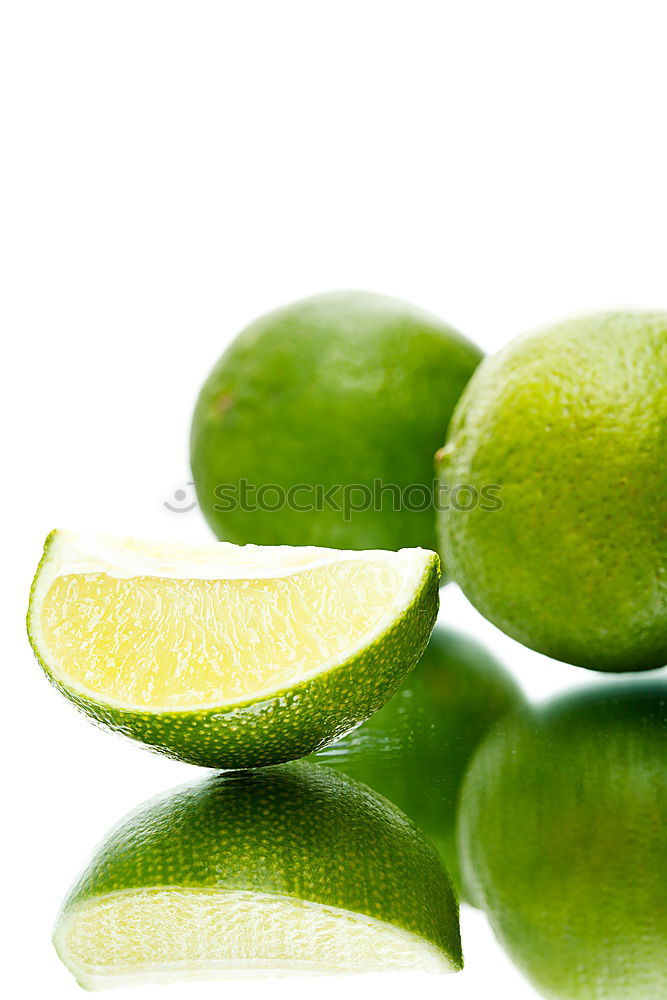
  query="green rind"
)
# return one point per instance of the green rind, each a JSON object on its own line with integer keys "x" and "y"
{"x": 288, "y": 724}
{"x": 416, "y": 749}
{"x": 571, "y": 423}
{"x": 298, "y": 831}
{"x": 338, "y": 390}
{"x": 563, "y": 840}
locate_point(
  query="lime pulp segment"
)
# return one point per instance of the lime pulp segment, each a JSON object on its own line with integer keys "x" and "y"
{"x": 149, "y": 641}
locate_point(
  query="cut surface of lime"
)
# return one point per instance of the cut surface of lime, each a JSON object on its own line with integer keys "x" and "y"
{"x": 161, "y": 631}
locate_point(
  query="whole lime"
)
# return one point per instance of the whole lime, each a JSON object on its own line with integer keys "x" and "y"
{"x": 415, "y": 750}
{"x": 563, "y": 838}
{"x": 318, "y": 424}
{"x": 570, "y": 426}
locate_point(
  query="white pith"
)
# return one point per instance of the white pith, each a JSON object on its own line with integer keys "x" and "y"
{"x": 123, "y": 559}
{"x": 170, "y": 934}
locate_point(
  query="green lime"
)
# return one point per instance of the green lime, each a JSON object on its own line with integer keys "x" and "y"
{"x": 287, "y": 869}
{"x": 318, "y": 425}
{"x": 416, "y": 749}
{"x": 229, "y": 656}
{"x": 571, "y": 424}
{"x": 563, "y": 841}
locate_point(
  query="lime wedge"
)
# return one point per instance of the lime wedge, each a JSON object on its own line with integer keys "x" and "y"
{"x": 229, "y": 656}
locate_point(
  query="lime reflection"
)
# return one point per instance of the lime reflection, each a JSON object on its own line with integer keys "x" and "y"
{"x": 563, "y": 841}
{"x": 416, "y": 749}
{"x": 288, "y": 868}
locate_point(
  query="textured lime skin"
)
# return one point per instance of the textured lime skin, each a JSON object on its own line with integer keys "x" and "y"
{"x": 572, "y": 423}
{"x": 416, "y": 749}
{"x": 298, "y": 831}
{"x": 563, "y": 840}
{"x": 287, "y": 724}
{"x": 338, "y": 389}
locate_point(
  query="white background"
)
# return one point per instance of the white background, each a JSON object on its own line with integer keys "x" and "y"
{"x": 172, "y": 170}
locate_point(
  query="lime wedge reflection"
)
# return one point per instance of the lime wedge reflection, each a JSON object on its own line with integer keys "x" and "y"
{"x": 416, "y": 749}
{"x": 563, "y": 840}
{"x": 286, "y": 869}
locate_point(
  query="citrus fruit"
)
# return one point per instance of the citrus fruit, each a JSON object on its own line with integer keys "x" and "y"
{"x": 292, "y": 869}
{"x": 224, "y": 655}
{"x": 318, "y": 424}
{"x": 563, "y": 840}
{"x": 571, "y": 423}
{"x": 416, "y": 749}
